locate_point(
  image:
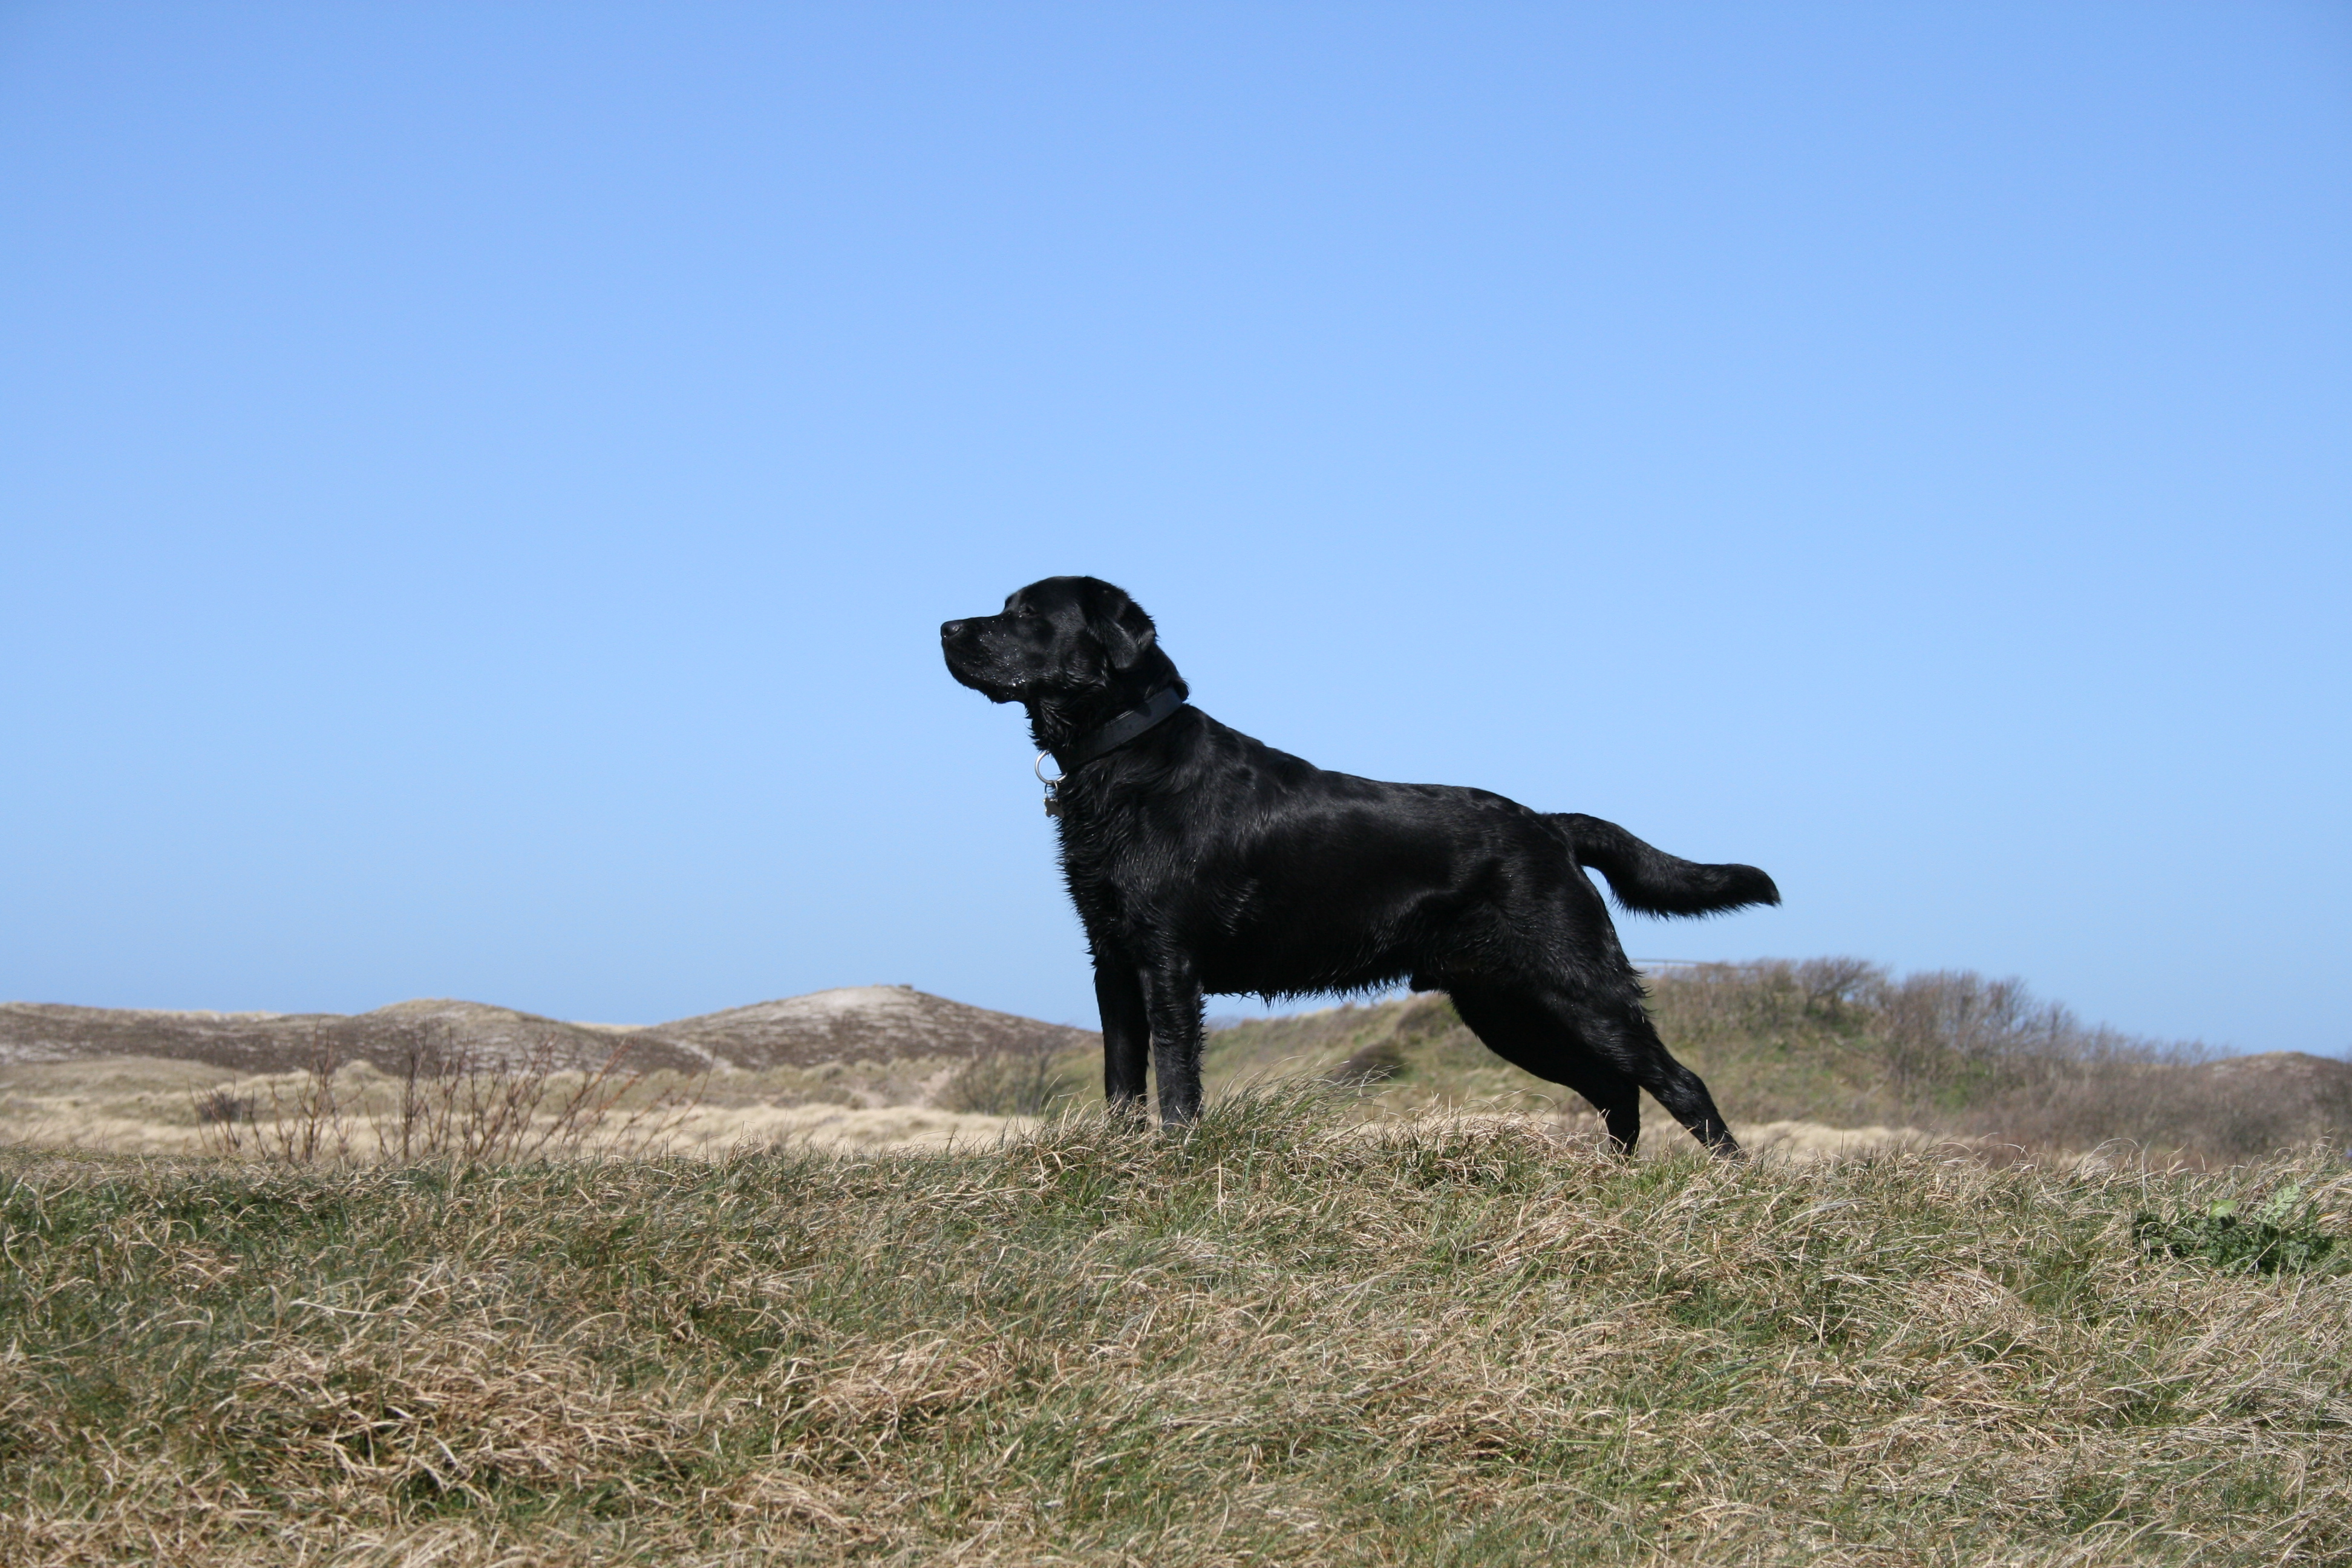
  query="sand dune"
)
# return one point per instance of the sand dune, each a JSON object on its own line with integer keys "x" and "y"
{"x": 863, "y": 1023}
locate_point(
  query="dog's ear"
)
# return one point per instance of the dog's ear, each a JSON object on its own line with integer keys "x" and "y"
{"x": 1126, "y": 632}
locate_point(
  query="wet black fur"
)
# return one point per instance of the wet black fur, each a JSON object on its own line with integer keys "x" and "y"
{"x": 1204, "y": 861}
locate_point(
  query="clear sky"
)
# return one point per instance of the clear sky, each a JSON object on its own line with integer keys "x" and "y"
{"x": 479, "y": 485}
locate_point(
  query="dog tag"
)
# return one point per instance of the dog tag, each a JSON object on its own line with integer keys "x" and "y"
{"x": 1052, "y": 785}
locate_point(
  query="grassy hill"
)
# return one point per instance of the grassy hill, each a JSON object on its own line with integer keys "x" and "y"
{"x": 1842, "y": 1043}
{"x": 1286, "y": 1338}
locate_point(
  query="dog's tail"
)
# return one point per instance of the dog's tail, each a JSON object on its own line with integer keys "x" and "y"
{"x": 1654, "y": 882}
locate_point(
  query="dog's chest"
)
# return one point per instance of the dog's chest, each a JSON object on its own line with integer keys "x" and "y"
{"x": 1133, "y": 878}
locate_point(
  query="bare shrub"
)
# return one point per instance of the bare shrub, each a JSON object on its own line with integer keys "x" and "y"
{"x": 222, "y": 1103}
{"x": 1020, "y": 1080}
{"x": 1374, "y": 1062}
{"x": 1838, "y": 988}
{"x": 447, "y": 1103}
{"x": 1957, "y": 1052}
{"x": 454, "y": 1104}
{"x": 308, "y": 1123}
{"x": 2152, "y": 1106}
{"x": 1773, "y": 994}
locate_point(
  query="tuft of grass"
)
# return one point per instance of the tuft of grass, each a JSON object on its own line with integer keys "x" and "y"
{"x": 1282, "y": 1336}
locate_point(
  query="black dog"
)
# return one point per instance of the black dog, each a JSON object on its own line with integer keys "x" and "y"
{"x": 1202, "y": 860}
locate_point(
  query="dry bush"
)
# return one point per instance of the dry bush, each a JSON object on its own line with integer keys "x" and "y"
{"x": 2162, "y": 1110}
{"x": 455, "y": 1105}
{"x": 1025, "y": 1079}
{"x": 224, "y": 1104}
{"x": 1375, "y": 1061}
{"x": 1842, "y": 1040}
{"x": 447, "y": 1103}
{"x": 306, "y": 1122}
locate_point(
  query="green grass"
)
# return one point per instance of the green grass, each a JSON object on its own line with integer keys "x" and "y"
{"x": 1277, "y": 1339}
{"x": 2278, "y": 1236}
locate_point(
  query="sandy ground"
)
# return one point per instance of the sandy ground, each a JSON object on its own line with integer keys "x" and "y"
{"x": 1801, "y": 1142}
{"x": 144, "y": 1105}
{"x": 139, "y": 1105}
{"x": 1812, "y": 1141}
{"x": 877, "y": 1128}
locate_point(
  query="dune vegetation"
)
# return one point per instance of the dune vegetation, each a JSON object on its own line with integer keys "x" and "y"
{"x": 1284, "y": 1336}
{"x": 1794, "y": 1047}
{"x": 1823, "y": 1055}
{"x": 2070, "y": 1298}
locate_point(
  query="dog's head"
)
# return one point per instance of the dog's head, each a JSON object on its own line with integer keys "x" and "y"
{"x": 1060, "y": 642}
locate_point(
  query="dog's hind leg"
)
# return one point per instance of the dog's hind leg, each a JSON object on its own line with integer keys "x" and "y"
{"x": 1606, "y": 1053}
{"x": 1623, "y": 1034}
{"x": 1126, "y": 1034}
{"x": 1524, "y": 1032}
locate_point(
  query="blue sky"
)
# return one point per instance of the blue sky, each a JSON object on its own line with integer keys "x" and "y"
{"x": 478, "y": 485}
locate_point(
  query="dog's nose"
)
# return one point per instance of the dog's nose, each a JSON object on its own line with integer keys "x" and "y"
{"x": 950, "y": 629}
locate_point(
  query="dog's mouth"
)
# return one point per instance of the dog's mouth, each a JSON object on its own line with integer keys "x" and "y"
{"x": 970, "y": 661}
{"x": 992, "y": 690}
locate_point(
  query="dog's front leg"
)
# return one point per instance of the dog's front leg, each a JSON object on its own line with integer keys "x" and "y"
{"x": 1171, "y": 993}
{"x": 1126, "y": 1033}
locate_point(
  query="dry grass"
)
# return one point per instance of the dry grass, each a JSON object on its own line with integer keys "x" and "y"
{"x": 124, "y": 1105}
{"x": 1465, "y": 1342}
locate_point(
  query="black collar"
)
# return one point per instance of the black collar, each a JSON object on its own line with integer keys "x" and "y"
{"x": 1107, "y": 737}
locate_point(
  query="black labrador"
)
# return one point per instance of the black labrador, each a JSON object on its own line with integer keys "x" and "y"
{"x": 1202, "y": 860}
